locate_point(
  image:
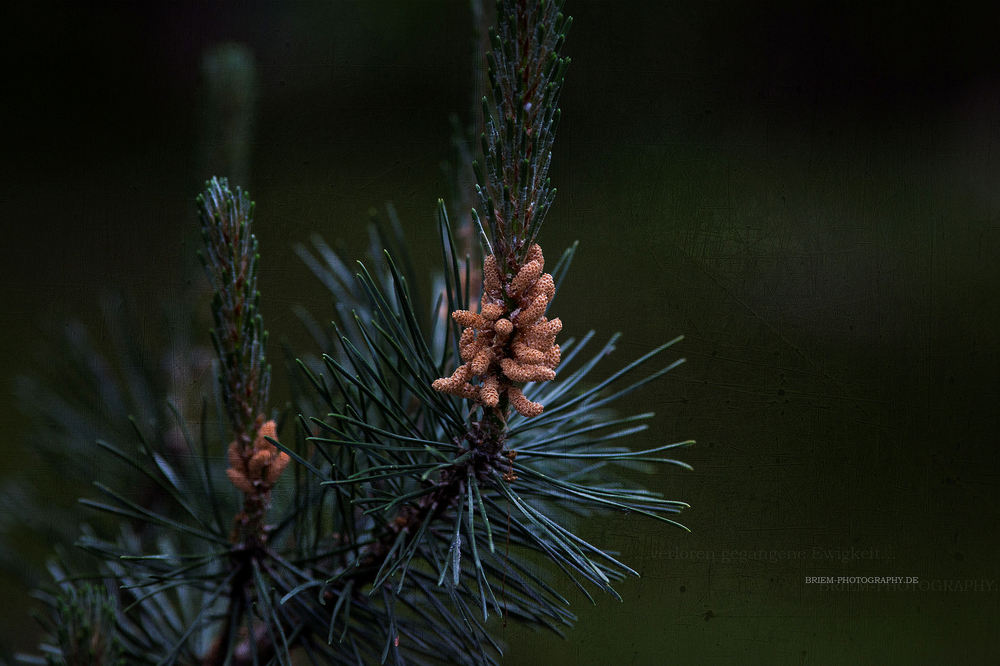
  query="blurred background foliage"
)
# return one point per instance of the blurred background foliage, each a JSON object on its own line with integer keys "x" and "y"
{"x": 810, "y": 194}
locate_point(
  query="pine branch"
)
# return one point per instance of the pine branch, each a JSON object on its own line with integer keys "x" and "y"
{"x": 417, "y": 499}
{"x": 230, "y": 261}
{"x": 526, "y": 74}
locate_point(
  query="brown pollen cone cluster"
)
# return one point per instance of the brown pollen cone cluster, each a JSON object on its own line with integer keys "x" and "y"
{"x": 503, "y": 343}
{"x": 259, "y": 469}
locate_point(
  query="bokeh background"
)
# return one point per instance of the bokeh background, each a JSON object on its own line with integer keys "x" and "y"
{"x": 810, "y": 193}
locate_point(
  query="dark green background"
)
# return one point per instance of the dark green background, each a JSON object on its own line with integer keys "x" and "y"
{"x": 811, "y": 196}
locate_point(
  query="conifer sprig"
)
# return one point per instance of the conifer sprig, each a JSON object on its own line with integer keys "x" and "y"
{"x": 230, "y": 261}
{"x": 412, "y": 514}
{"x": 451, "y": 489}
{"x": 526, "y": 75}
{"x": 83, "y": 624}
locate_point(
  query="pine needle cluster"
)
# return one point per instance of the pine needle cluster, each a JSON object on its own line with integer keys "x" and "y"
{"x": 432, "y": 461}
